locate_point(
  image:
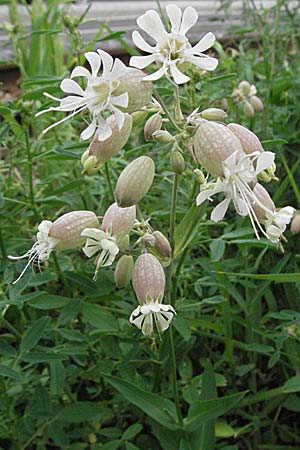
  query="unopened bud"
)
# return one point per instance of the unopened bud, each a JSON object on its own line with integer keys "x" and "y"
{"x": 149, "y": 239}
{"x": 123, "y": 271}
{"x": 177, "y": 162}
{"x": 162, "y": 136}
{"x": 199, "y": 176}
{"x": 248, "y": 109}
{"x": 90, "y": 164}
{"x": 153, "y": 124}
{"x": 139, "y": 117}
{"x": 248, "y": 139}
{"x": 257, "y": 103}
{"x": 214, "y": 114}
{"x": 162, "y": 244}
{"x": 148, "y": 278}
{"x": 139, "y": 91}
{"x": 213, "y": 144}
{"x": 295, "y": 225}
{"x": 264, "y": 177}
{"x": 135, "y": 181}
{"x": 118, "y": 220}
{"x": 123, "y": 241}
{"x": 245, "y": 87}
{"x": 264, "y": 198}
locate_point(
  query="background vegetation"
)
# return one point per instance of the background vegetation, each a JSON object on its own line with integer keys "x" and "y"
{"x": 74, "y": 373}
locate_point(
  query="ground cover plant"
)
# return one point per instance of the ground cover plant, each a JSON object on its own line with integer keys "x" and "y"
{"x": 155, "y": 304}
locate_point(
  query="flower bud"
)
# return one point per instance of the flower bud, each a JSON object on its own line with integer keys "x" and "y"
{"x": 214, "y": 114}
{"x": 295, "y": 225}
{"x": 245, "y": 87}
{"x": 139, "y": 91}
{"x": 118, "y": 220}
{"x": 199, "y": 176}
{"x": 102, "y": 151}
{"x": 149, "y": 239}
{"x": 123, "y": 242}
{"x": 248, "y": 109}
{"x": 123, "y": 271}
{"x": 148, "y": 278}
{"x": 248, "y": 139}
{"x": 257, "y": 103}
{"x": 153, "y": 124}
{"x": 162, "y": 244}
{"x": 139, "y": 117}
{"x": 162, "y": 136}
{"x": 177, "y": 162}
{"x": 134, "y": 181}
{"x": 90, "y": 164}
{"x": 213, "y": 144}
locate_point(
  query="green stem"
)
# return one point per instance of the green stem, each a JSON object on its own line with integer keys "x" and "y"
{"x": 162, "y": 103}
{"x": 174, "y": 377}
{"x": 177, "y": 106}
{"x": 29, "y": 168}
{"x": 108, "y": 177}
{"x": 173, "y": 210}
{"x": 2, "y": 246}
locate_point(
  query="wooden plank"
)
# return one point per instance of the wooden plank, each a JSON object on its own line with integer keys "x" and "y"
{"x": 121, "y": 15}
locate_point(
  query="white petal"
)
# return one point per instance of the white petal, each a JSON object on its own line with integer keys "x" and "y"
{"x": 264, "y": 161}
{"x": 107, "y": 62}
{"x": 219, "y": 211}
{"x": 152, "y": 24}
{"x": 203, "y": 62}
{"x": 178, "y": 76}
{"x": 135, "y": 313}
{"x": 94, "y": 61}
{"x": 71, "y": 87}
{"x": 119, "y": 116}
{"x": 121, "y": 100}
{"x": 240, "y": 206}
{"x": 163, "y": 321}
{"x": 156, "y": 75}
{"x": 71, "y": 102}
{"x": 91, "y": 250}
{"x": 89, "y": 131}
{"x": 141, "y": 43}
{"x": 138, "y": 321}
{"x": 80, "y": 71}
{"x": 104, "y": 131}
{"x": 284, "y": 216}
{"x": 174, "y": 13}
{"x": 147, "y": 328}
{"x": 189, "y": 18}
{"x": 204, "y": 44}
{"x": 45, "y": 226}
{"x": 93, "y": 233}
{"x": 118, "y": 68}
{"x": 142, "y": 61}
{"x": 207, "y": 193}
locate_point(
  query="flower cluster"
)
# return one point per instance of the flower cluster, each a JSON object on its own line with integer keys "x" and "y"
{"x": 115, "y": 97}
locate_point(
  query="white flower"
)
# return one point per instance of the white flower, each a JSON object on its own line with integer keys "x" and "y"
{"x": 276, "y": 222}
{"x": 172, "y": 49}
{"x": 97, "y": 97}
{"x": 142, "y": 317}
{"x": 235, "y": 185}
{"x": 41, "y": 249}
{"x": 100, "y": 241}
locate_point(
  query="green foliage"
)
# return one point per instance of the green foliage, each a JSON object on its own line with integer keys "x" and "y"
{"x": 74, "y": 373}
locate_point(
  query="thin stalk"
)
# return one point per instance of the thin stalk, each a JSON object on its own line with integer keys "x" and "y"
{"x": 174, "y": 377}
{"x": 173, "y": 210}
{"x": 30, "y": 174}
{"x": 2, "y": 246}
{"x": 108, "y": 177}
{"x": 177, "y": 107}
{"x": 169, "y": 116}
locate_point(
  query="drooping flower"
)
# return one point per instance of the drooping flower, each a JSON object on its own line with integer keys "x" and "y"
{"x": 238, "y": 175}
{"x": 172, "y": 50}
{"x": 274, "y": 220}
{"x": 245, "y": 94}
{"x": 98, "y": 97}
{"x": 99, "y": 241}
{"x": 107, "y": 242}
{"x": 148, "y": 282}
{"x": 63, "y": 234}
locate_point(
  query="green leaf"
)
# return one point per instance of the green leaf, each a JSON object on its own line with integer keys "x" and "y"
{"x": 276, "y": 277}
{"x": 6, "y": 371}
{"x": 99, "y": 318}
{"x": 82, "y": 412}
{"x": 132, "y": 431}
{"x": 155, "y": 406}
{"x": 202, "y": 411}
{"x": 217, "y": 248}
{"x": 187, "y": 228}
{"x": 34, "y": 334}
{"x": 47, "y": 301}
{"x": 57, "y": 377}
{"x": 291, "y": 385}
{"x": 69, "y": 312}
